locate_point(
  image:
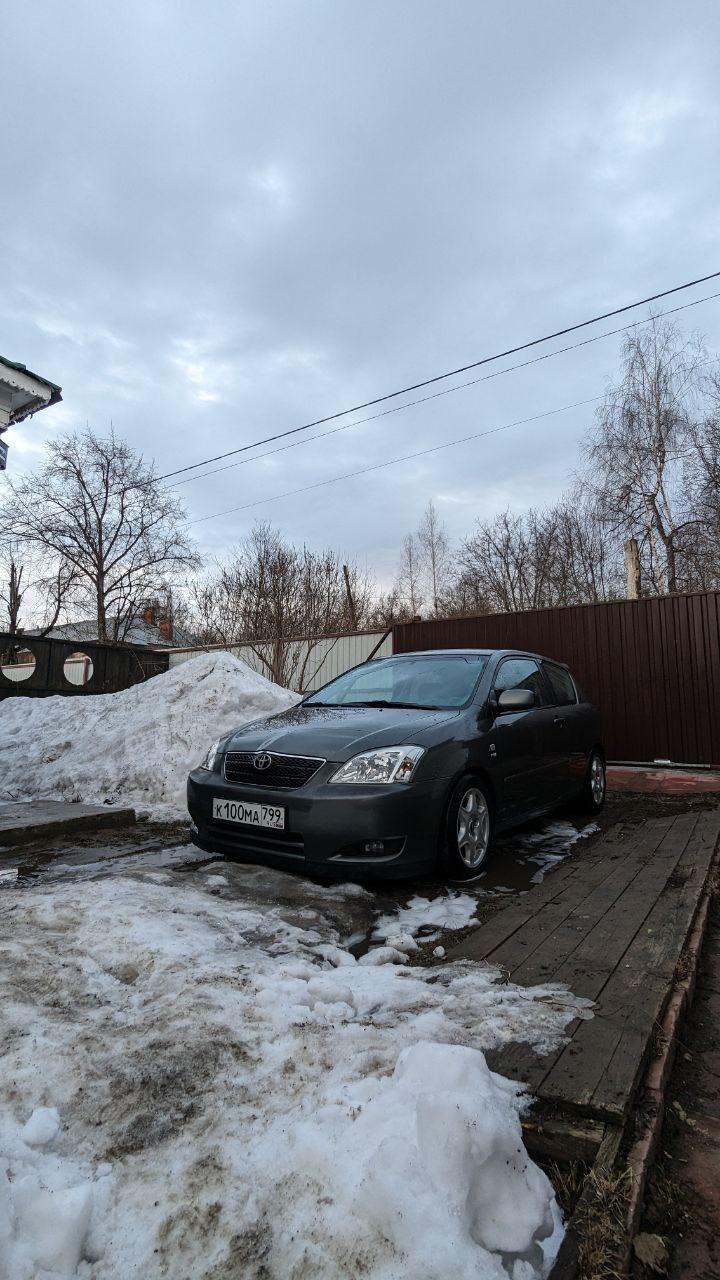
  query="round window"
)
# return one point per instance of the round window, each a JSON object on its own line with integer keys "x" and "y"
{"x": 18, "y": 665}
{"x": 78, "y": 668}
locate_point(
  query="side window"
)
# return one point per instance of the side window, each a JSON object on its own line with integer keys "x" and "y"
{"x": 521, "y": 673}
{"x": 561, "y": 683}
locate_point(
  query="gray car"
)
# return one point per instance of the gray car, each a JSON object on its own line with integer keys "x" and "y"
{"x": 403, "y": 765}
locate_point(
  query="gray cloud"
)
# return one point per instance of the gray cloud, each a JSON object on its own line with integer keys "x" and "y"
{"x": 220, "y": 221}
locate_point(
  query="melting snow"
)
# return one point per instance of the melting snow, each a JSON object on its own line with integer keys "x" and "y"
{"x": 220, "y": 1088}
{"x": 428, "y": 916}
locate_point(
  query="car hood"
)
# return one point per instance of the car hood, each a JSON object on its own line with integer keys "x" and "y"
{"x": 337, "y": 733}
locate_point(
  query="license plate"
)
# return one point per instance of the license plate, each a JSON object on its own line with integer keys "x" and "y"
{"x": 250, "y": 815}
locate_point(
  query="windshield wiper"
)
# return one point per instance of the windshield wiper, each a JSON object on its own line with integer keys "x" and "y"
{"x": 384, "y": 702}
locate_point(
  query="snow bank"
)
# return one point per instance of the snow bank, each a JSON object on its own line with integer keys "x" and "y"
{"x": 237, "y": 1095}
{"x": 134, "y": 747}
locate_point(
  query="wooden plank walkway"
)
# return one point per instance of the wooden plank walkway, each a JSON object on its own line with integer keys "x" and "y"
{"x": 611, "y": 923}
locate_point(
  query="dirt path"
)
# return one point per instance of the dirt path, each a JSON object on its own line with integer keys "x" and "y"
{"x": 683, "y": 1197}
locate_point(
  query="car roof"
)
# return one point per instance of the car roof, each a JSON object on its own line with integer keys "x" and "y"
{"x": 486, "y": 653}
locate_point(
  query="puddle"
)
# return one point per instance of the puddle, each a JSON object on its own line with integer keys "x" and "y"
{"x": 425, "y": 910}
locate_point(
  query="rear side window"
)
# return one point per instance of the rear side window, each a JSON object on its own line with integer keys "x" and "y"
{"x": 521, "y": 673}
{"x": 561, "y": 683}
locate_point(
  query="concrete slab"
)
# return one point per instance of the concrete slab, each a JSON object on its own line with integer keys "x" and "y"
{"x": 31, "y": 820}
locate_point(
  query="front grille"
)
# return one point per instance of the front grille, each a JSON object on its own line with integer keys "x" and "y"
{"x": 284, "y": 772}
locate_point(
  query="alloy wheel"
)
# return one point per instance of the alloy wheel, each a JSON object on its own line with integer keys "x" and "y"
{"x": 597, "y": 780}
{"x": 473, "y": 828}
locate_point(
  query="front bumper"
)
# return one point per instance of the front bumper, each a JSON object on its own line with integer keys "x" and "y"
{"x": 327, "y": 826}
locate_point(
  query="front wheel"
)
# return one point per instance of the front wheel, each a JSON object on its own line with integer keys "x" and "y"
{"x": 468, "y": 829}
{"x": 593, "y": 792}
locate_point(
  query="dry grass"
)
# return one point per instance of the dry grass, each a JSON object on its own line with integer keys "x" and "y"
{"x": 599, "y": 1221}
{"x": 568, "y": 1181}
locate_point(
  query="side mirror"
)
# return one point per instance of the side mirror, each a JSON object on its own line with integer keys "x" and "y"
{"x": 516, "y": 700}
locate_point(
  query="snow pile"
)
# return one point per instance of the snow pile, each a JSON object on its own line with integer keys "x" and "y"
{"x": 47, "y": 1207}
{"x": 446, "y": 1129}
{"x": 237, "y": 1095}
{"x": 134, "y": 747}
{"x": 42, "y": 1127}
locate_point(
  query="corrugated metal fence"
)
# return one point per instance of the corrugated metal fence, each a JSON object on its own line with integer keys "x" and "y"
{"x": 652, "y": 666}
{"x": 315, "y": 661}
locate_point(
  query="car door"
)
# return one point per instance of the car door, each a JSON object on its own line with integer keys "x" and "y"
{"x": 521, "y": 744}
{"x": 569, "y": 719}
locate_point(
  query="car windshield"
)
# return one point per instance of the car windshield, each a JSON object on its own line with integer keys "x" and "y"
{"x": 432, "y": 682}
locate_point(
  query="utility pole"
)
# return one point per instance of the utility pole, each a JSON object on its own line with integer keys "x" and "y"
{"x": 351, "y": 602}
{"x": 632, "y": 566}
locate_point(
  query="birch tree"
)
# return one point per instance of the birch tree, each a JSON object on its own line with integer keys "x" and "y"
{"x": 409, "y": 578}
{"x": 643, "y": 452}
{"x": 432, "y": 540}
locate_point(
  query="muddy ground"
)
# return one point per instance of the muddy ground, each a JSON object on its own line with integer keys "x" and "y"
{"x": 682, "y": 1202}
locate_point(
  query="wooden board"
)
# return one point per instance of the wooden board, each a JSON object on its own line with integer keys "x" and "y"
{"x": 611, "y": 925}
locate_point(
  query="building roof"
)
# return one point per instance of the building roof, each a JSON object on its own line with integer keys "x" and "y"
{"x": 139, "y": 632}
{"x": 23, "y": 392}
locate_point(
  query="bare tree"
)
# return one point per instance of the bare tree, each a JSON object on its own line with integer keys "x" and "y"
{"x": 389, "y": 607}
{"x": 509, "y": 560}
{"x": 643, "y": 452}
{"x": 700, "y": 553}
{"x": 41, "y": 595}
{"x": 11, "y": 594}
{"x": 463, "y": 597}
{"x": 409, "y": 580}
{"x": 269, "y": 594}
{"x": 587, "y": 563}
{"x": 104, "y": 524}
{"x": 434, "y": 547}
{"x": 559, "y": 555}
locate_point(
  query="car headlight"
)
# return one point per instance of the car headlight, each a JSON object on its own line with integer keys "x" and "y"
{"x": 389, "y": 764}
{"x": 209, "y": 760}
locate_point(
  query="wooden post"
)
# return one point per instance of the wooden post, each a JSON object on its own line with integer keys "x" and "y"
{"x": 632, "y": 566}
{"x": 351, "y": 602}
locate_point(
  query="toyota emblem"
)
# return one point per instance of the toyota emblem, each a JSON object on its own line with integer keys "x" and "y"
{"x": 263, "y": 761}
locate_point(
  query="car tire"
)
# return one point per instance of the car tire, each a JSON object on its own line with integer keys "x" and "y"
{"x": 592, "y": 796}
{"x": 468, "y": 829}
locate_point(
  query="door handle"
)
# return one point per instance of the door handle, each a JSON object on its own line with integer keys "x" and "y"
{"x": 559, "y": 721}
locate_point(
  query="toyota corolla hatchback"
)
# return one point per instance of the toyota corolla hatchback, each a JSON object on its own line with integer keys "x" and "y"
{"x": 402, "y": 765}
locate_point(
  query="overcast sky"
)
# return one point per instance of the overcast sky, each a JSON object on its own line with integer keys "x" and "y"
{"x": 222, "y": 220}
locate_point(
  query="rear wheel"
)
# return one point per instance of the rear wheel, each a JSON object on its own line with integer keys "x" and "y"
{"x": 468, "y": 829}
{"x": 593, "y": 792}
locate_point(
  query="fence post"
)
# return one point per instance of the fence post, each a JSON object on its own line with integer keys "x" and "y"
{"x": 632, "y": 566}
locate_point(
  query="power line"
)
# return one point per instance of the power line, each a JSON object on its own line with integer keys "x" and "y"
{"x": 452, "y": 373}
{"x": 435, "y": 395}
{"x": 392, "y": 462}
{"x": 405, "y": 457}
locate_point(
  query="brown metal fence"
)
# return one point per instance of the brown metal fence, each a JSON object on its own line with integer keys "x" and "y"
{"x": 651, "y": 666}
